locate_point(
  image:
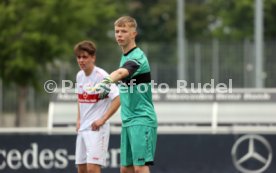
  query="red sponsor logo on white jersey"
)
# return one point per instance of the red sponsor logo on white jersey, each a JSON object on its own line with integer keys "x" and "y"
{"x": 88, "y": 98}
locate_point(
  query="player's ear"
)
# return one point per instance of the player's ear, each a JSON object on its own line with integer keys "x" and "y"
{"x": 134, "y": 34}
{"x": 94, "y": 58}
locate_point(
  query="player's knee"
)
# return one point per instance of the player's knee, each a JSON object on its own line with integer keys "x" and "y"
{"x": 141, "y": 169}
{"x": 93, "y": 169}
{"x": 122, "y": 170}
{"x": 126, "y": 170}
{"x": 82, "y": 168}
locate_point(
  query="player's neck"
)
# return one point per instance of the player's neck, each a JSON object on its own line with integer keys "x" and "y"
{"x": 88, "y": 71}
{"x": 128, "y": 47}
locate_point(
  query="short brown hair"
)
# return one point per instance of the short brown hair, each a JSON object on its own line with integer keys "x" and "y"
{"x": 126, "y": 20}
{"x": 85, "y": 45}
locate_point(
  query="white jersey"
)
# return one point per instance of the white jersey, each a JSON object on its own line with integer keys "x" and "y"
{"x": 91, "y": 107}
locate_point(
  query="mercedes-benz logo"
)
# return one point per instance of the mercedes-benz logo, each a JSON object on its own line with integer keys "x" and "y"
{"x": 251, "y": 142}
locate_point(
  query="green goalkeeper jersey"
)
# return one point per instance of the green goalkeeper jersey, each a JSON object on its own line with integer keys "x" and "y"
{"x": 135, "y": 91}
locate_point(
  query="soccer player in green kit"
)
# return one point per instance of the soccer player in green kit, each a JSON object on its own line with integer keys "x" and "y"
{"x": 139, "y": 122}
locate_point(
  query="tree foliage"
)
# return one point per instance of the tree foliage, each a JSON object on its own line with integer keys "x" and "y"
{"x": 204, "y": 19}
{"x": 235, "y": 19}
{"x": 35, "y": 32}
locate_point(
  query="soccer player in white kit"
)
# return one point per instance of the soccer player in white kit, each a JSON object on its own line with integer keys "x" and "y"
{"x": 94, "y": 110}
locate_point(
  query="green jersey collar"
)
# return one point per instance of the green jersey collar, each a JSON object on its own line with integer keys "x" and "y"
{"x": 125, "y": 54}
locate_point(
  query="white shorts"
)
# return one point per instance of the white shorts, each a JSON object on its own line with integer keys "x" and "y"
{"x": 91, "y": 146}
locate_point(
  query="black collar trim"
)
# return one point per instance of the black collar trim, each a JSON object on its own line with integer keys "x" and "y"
{"x": 125, "y": 54}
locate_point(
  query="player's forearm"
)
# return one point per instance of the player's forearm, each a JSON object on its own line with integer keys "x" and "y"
{"x": 78, "y": 113}
{"x": 119, "y": 74}
{"x": 115, "y": 104}
{"x": 78, "y": 119}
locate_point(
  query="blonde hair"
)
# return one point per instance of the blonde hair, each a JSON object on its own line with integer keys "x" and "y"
{"x": 87, "y": 46}
{"x": 126, "y": 20}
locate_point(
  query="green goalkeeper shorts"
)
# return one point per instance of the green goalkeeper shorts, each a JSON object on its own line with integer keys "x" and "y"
{"x": 138, "y": 145}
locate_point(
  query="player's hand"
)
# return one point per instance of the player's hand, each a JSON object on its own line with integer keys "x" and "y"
{"x": 95, "y": 126}
{"x": 103, "y": 88}
{"x": 107, "y": 80}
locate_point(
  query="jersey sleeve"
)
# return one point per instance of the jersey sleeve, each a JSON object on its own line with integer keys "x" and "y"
{"x": 114, "y": 91}
{"x": 132, "y": 66}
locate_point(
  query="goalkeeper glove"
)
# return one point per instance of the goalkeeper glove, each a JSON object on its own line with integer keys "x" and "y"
{"x": 103, "y": 88}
